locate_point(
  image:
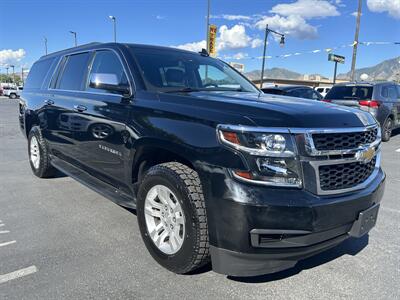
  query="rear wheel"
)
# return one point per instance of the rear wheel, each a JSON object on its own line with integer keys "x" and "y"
{"x": 13, "y": 96}
{"x": 387, "y": 129}
{"x": 38, "y": 154}
{"x": 172, "y": 218}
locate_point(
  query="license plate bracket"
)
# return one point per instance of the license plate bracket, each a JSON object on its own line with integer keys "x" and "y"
{"x": 365, "y": 222}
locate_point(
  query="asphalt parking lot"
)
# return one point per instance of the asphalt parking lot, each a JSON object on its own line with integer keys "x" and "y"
{"x": 58, "y": 239}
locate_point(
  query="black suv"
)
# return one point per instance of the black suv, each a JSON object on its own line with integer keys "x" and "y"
{"x": 215, "y": 169}
{"x": 381, "y": 99}
{"x": 298, "y": 91}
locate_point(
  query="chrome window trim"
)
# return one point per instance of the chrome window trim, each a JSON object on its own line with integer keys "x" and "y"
{"x": 93, "y": 50}
{"x": 315, "y": 164}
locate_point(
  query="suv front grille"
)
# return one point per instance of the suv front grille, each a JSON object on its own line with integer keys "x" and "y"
{"x": 344, "y": 176}
{"x": 344, "y": 141}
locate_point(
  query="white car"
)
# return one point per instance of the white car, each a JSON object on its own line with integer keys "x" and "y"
{"x": 12, "y": 92}
{"x": 323, "y": 90}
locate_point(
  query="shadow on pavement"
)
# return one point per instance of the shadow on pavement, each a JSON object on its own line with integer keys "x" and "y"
{"x": 351, "y": 246}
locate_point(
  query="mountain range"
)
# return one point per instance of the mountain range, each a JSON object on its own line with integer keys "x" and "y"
{"x": 386, "y": 70}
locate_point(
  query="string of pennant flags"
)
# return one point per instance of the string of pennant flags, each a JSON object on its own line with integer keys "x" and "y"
{"x": 326, "y": 50}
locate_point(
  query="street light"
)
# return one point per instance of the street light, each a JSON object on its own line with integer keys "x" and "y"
{"x": 12, "y": 66}
{"x": 74, "y": 33}
{"x": 115, "y": 27}
{"x": 281, "y": 43}
{"x": 45, "y": 44}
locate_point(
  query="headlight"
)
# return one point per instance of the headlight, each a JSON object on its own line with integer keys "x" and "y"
{"x": 271, "y": 156}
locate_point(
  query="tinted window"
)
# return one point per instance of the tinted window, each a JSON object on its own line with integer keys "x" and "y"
{"x": 107, "y": 62}
{"x": 392, "y": 92}
{"x": 273, "y": 91}
{"x": 74, "y": 74}
{"x": 38, "y": 73}
{"x": 320, "y": 90}
{"x": 350, "y": 93}
{"x": 172, "y": 70}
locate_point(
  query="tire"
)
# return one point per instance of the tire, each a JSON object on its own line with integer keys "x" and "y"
{"x": 387, "y": 129}
{"x": 185, "y": 187}
{"x": 13, "y": 96}
{"x": 41, "y": 167}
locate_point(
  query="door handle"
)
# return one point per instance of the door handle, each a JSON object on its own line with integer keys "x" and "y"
{"x": 80, "y": 108}
{"x": 48, "y": 102}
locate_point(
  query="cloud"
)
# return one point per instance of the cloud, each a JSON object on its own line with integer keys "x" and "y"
{"x": 195, "y": 46}
{"x": 11, "y": 57}
{"x": 228, "y": 38}
{"x": 255, "y": 43}
{"x": 231, "y": 17}
{"x": 240, "y": 55}
{"x": 233, "y": 38}
{"x": 159, "y": 17}
{"x": 292, "y": 26}
{"x": 306, "y": 9}
{"x": 392, "y": 7}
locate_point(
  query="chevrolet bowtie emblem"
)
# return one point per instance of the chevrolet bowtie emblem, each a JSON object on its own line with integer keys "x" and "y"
{"x": 365, "y": 155}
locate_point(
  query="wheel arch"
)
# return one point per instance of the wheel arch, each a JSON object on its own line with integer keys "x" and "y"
{"x": 152, "y": 153}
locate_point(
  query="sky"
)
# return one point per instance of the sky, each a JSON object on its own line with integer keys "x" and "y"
{"x": 308, "y": 25}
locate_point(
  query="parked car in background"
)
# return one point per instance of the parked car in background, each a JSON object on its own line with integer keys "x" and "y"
{"x": 298, "y": 91}
{"x": 323, "y": 90}
{"x": 381, "y": 99}
{"x": 12, "y": 92}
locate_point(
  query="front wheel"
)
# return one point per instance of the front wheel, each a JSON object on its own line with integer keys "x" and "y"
{"x": 13, "y": 96}
{"x": 172, "y": 217}
{"x": 38, "y": 154}
{"x": 387, "y": 129}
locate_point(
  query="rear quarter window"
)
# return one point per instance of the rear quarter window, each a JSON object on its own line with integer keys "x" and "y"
{"x": 38, "y": 73}
{"x": 75, "y": 72}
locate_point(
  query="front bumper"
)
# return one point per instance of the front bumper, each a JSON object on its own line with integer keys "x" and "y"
{"x": 257, "y": 230}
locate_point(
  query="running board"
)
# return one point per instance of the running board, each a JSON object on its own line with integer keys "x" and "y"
{"x": 97, "y": 185}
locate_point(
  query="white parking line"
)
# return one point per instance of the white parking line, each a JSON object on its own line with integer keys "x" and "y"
{"x": 7, "y": 243}
{"x": 18, "y": 274}
{"x": 398, "y": 150}
{"x": 4, "y": 231}
{"x": 1, "y": 225}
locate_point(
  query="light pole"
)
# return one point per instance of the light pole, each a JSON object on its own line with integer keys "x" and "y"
{"x": 45, "y": 44}
{"x": 74, "y": 34}
{"x": 115, "y": 27}
{"x": 208, "y": 26}
{"x": 7, "y": 73}
{"x": 282, "y": 42}
{"x": 12, "y": 66}
{"x": 353, "y": 61}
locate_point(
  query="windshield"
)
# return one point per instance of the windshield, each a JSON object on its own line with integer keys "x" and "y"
{"x": 350, "y": 93}
{"x": 177, "y": 71}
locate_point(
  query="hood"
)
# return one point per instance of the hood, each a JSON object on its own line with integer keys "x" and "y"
{"x": 274, "y": 110}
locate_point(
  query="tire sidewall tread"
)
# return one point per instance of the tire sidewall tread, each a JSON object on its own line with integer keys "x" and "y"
{"x": 184, "y": 182}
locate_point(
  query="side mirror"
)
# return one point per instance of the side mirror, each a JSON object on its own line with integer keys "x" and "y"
{"x": 109, "y": 82}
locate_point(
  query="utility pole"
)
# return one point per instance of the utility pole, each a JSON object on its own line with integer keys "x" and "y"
{"x": 7, "y": 74}
{"x": 12, "y": 66}
{"x": 45, "y": 44}
{"x": 334, "y": 73}
{"x": 353, "y": 61}
{"x": 115, "y": 27}
{"x": 22, "y": 76}
{"x": 208, "y": 26}
{"x": 75, "y": 40}
{"x": 282, "y": 43}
